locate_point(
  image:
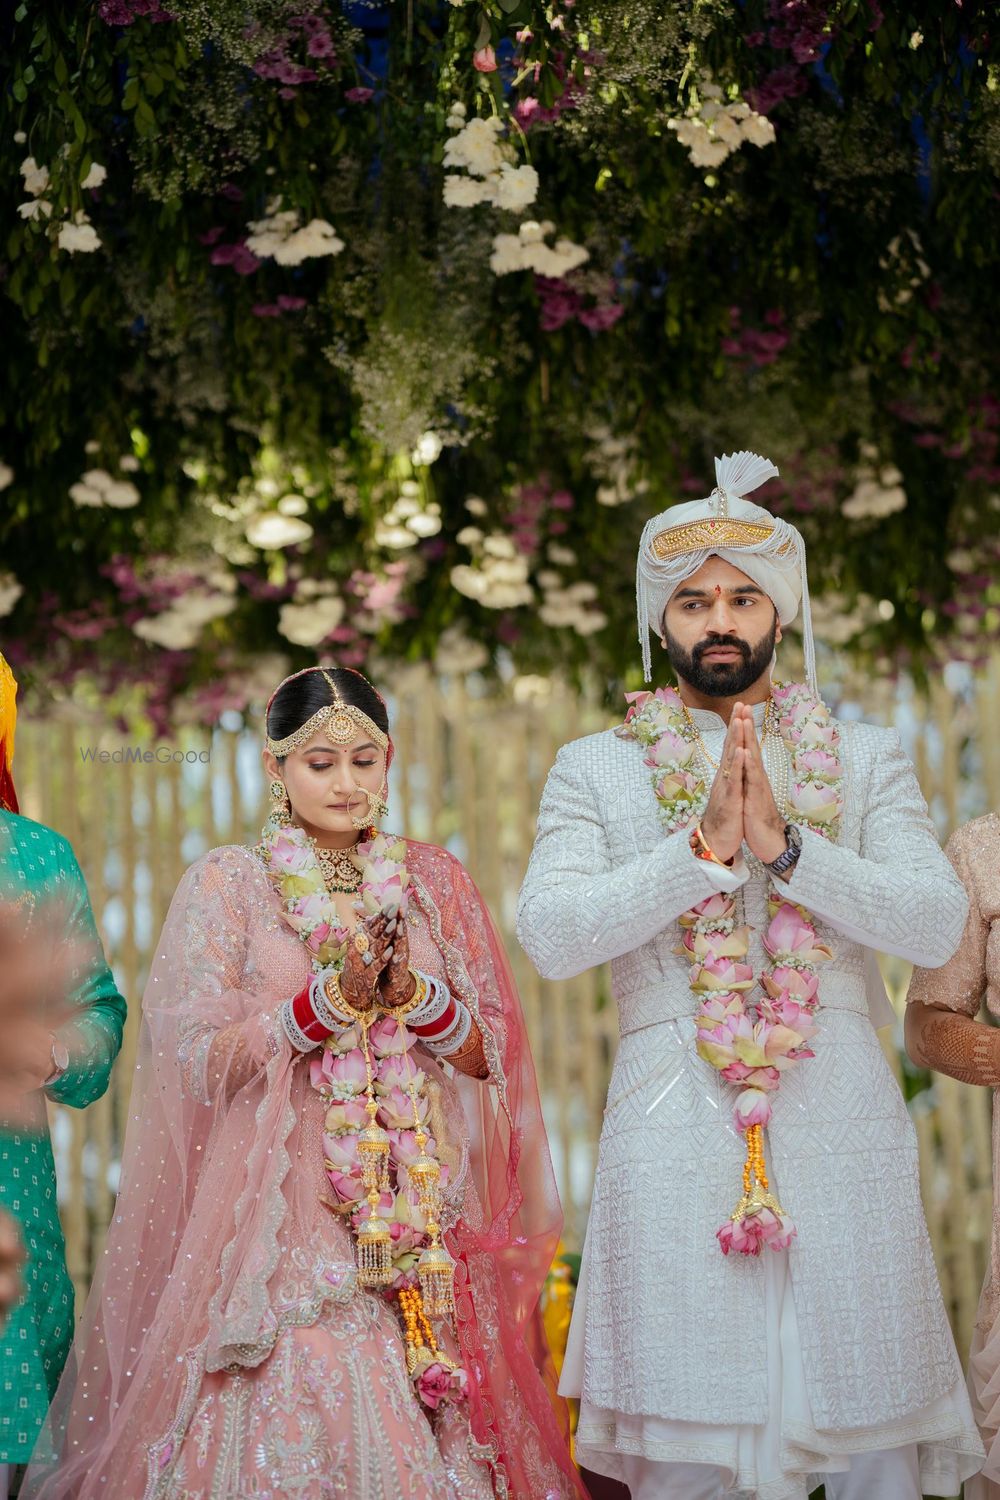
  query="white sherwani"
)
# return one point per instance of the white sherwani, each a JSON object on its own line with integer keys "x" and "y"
{"x": 775, "y": 1368}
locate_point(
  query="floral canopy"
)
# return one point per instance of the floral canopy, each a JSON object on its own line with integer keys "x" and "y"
{"x": 379, "y": 329}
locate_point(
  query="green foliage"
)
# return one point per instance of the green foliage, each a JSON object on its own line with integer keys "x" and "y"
{"x": 826, "y": 299}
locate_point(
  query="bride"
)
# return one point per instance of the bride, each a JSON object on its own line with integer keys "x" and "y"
{"x": 337, "y": 1206}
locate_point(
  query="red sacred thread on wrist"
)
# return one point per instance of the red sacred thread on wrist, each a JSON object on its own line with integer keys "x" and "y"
{"x": 441, "y": 1025}
{"x": 701, "y": 849}
{"x": 306, "y": 1019}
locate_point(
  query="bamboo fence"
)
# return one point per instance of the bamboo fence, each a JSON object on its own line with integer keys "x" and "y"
{"x": 469, "y": 772}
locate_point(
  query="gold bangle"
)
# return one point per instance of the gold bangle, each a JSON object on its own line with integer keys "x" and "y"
{"x": 341, "y": 1002}
{"x": 709, "y": 851}
{"x": 418, "y": 997}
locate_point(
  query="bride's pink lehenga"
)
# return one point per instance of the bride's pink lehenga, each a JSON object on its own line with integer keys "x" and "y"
{"x": 226, "y": 1349}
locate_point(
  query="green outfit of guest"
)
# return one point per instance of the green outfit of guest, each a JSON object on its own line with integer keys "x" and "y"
{"x": 39, "y": 871}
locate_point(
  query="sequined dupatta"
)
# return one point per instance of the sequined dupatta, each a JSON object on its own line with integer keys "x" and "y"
{"x": 210, "y": 1192}
{"x": 505, "y": 1248}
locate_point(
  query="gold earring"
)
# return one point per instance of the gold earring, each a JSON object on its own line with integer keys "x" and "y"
{"x": 281, "y": 808}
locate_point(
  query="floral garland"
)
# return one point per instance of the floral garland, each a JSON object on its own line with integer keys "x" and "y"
{"x": 371, "y": 1061}
{"x": 293, "y": 869}
{"x": 753, "y": 1042}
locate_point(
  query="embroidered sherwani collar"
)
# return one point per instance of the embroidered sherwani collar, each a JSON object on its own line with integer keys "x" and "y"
{"x": 706, "y": 718}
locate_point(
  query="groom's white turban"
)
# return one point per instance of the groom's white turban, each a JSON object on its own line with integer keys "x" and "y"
{"x": 766, "y": 548}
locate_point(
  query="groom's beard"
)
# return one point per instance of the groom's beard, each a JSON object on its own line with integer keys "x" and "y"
{"x": 722, "y": 679}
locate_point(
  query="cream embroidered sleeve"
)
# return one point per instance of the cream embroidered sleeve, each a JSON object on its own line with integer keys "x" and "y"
{"x": 899, "y": 894}
{"x": 578, "y": 909}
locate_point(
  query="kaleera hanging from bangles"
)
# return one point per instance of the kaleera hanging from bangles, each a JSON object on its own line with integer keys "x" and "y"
{"x": 752, "y": 1042}
{"x": 379, "y": 1156}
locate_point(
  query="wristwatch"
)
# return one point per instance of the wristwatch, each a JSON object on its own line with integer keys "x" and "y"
{"x": 60, "y": 1061}
{"x": 790, "y": 854}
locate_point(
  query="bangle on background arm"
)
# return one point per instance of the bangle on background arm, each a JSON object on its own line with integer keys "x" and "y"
{"x": 327, "y": 1009}
{"x": 302, "y": 1026}
{"x": 457, "y": 1035}
{"x": 437, "y": 998}
{"x": 440, "y": 1018}
{"x": 417, "y": 1000}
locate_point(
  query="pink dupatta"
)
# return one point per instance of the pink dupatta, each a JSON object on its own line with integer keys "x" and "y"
{"x": 209, "y": 1197}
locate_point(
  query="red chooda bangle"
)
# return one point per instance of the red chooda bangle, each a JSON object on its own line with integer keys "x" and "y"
{"x": 306, "y": 1018}
{"x": 440, "y": 1026}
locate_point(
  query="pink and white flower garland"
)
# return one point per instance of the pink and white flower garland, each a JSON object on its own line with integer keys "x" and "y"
{"x": 293, "y": 869}
{"x": 340, "y": 1072}
{"x": 752, "y": 1041}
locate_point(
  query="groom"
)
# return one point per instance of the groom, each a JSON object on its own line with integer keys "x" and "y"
{"x": 758, "y": 1306}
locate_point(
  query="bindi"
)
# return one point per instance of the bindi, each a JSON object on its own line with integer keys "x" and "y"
{"x": 718, "y": 592}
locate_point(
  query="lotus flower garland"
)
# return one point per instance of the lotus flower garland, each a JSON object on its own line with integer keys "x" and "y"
{"x": 753, "y": 1040}
{"x": 368, "y": 1065}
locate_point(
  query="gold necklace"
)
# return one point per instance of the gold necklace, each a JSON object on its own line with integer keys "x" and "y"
{"x": 340, "y": 871}
{"x": 766, "y": 729}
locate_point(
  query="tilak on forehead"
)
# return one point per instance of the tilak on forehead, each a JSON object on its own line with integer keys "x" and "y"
{"x": 677, "y": 542}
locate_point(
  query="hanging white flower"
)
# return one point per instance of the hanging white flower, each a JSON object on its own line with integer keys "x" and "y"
{"x": 428, "y": 449}
{"x": 6, "y": 475}
{"x": 95, "y": 176}
{"x": 36, "y": 178}
{"x": 516, "y": 187}
{"x": 78, "y": 235}
{"x": 466, "y": 192}
{"x": 527, "y": 250}
{"x": 456, "y": 654}
{"x": 508, "y": 255}
{"x": 758, "y": 130}
{"x": 309, "y": 624}
{"x": 97, "y": 487}
{"x": 477, "y": 146}
{"x": 271, "y": 529}
{"x": 555, "y": 261}
{"x": 713, "y": 129}
{"x": 878, "y": 491}
{"x": 179, "y": 627}
{"x": 279, "y": 236}
{"x": 121, "y": 494}
{"x": 10, "y": 592}
{"x": 35, "y": 208}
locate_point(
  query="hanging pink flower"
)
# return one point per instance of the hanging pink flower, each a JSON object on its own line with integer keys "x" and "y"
{"x": 348, "y": 1114}
{"x": 290, "y": 855}
{"x": 342, "y": 1154}
{"x": 396, "y": 1071}
{"x": 387, "y": 1038}
{"x": 484, "y": 60}
{"x": 752, "y": 1107}
{"x": 403, "y": 1144}
{"x": 801, "y": 985}
{"x": 437, "y": 1383}
{"x": 348, "y": 1188}
{"x": 396, "y": 1110}
{"x": 820, "y": 762}
{"x": 721, "y": 905}
{"x": 669, "y": 748}
{"x": 721, "y": 974}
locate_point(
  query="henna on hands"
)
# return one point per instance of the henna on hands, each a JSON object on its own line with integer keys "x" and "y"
{"x": 358, "y": 980}
{"x": 396, "y": 983}
{"x": 951, "y": 1042}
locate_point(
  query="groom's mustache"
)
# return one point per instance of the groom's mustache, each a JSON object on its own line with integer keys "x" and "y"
{"x": 729, "y": 642}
